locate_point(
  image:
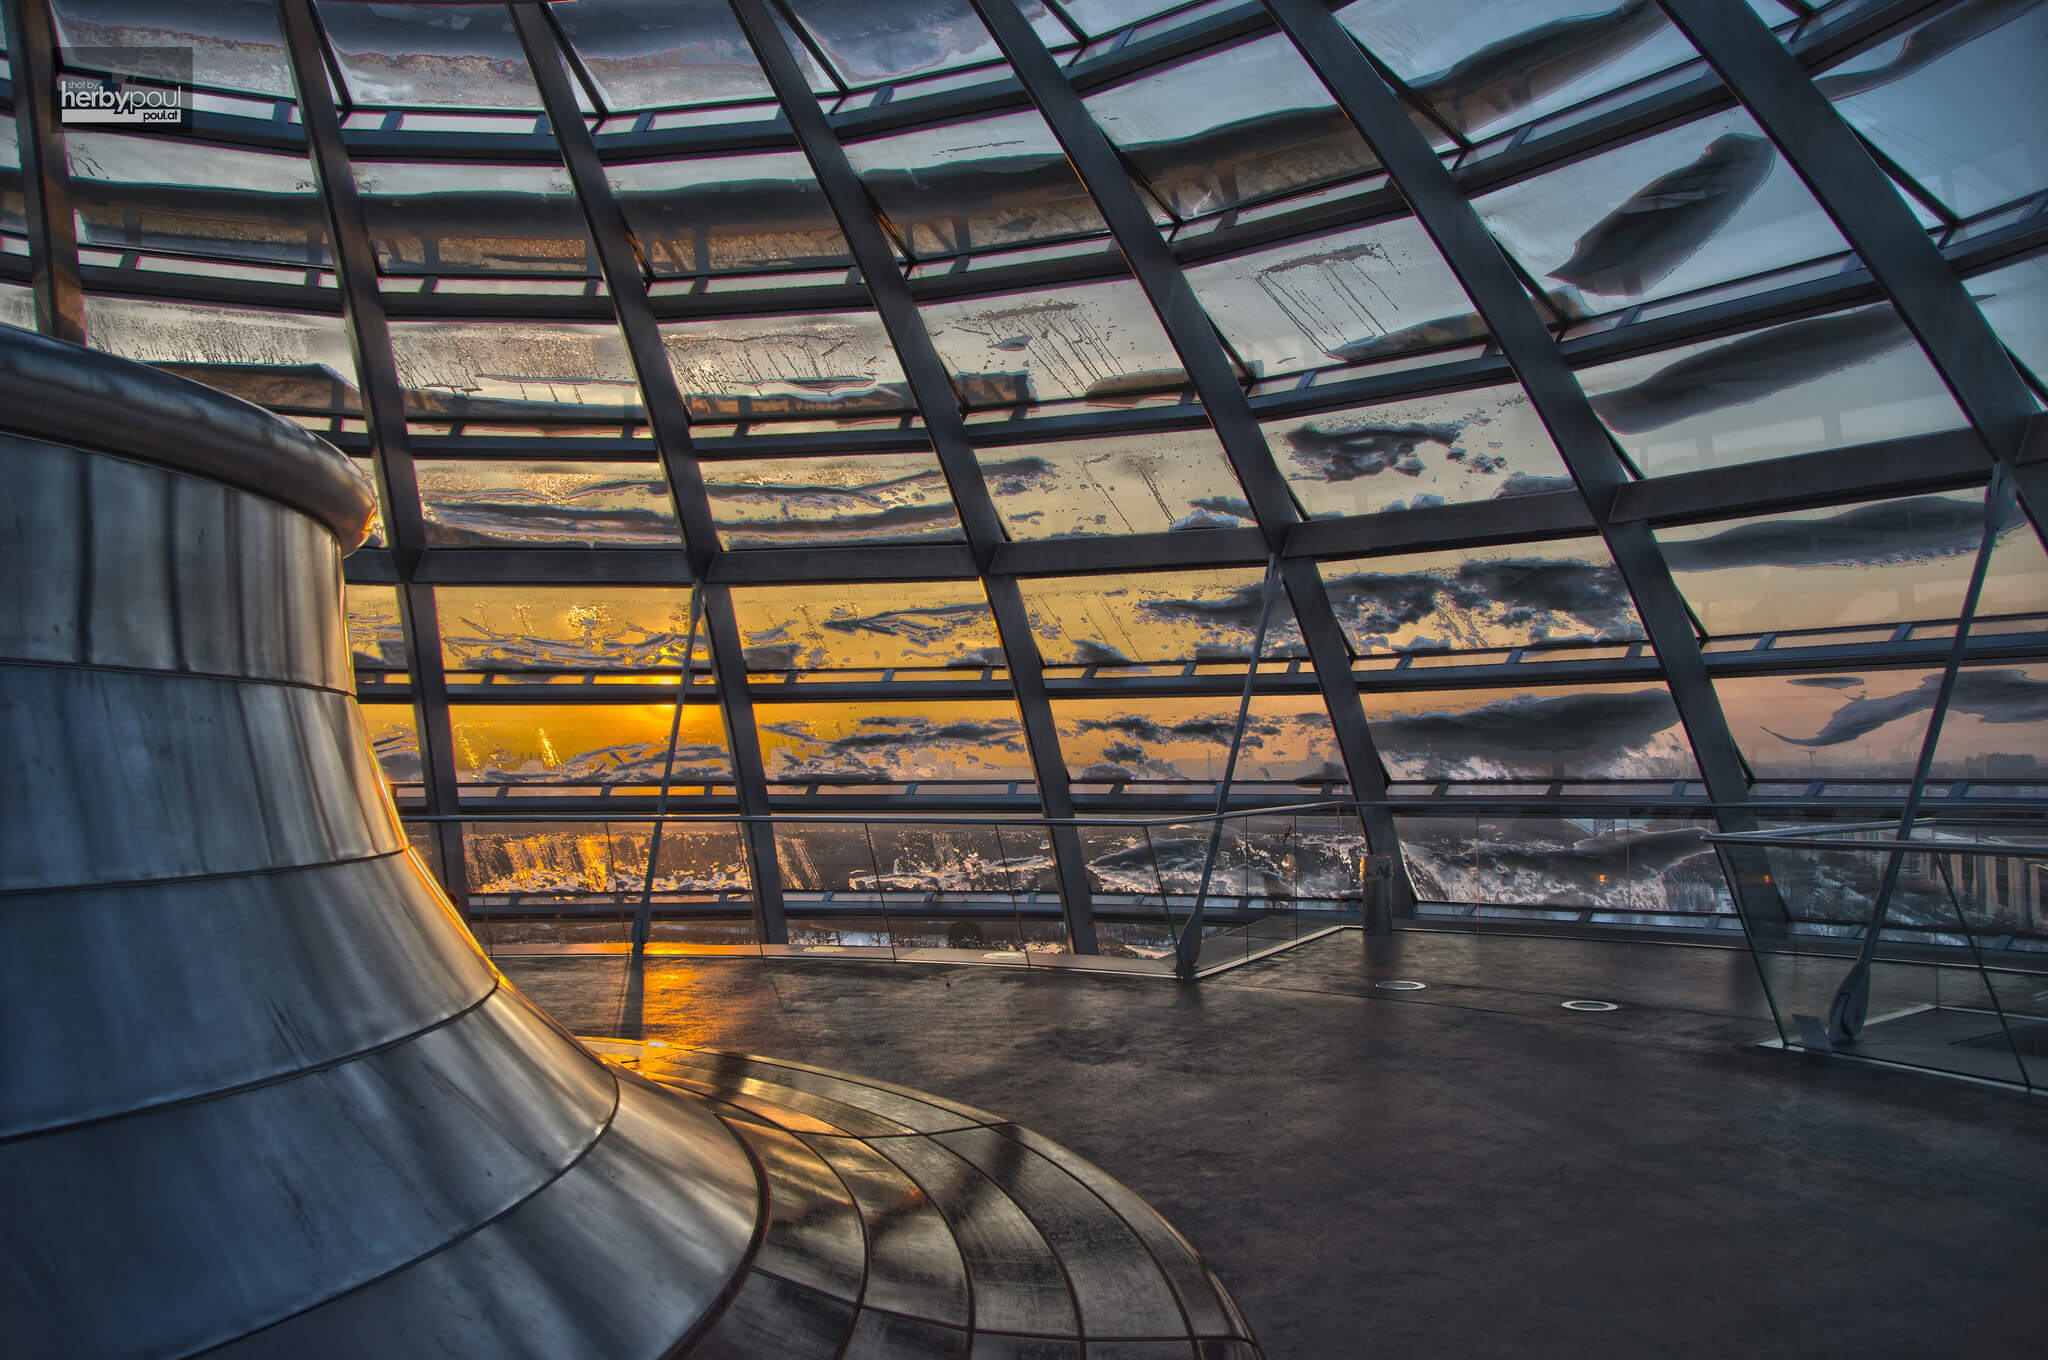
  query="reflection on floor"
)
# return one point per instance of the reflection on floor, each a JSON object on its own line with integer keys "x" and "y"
{"x": 903, "y": 1226}
{"x": 1467, "y": 1169}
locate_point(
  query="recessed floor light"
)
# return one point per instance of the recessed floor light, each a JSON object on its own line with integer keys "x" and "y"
{"x": 1401, "y": 985}
{"x": 1590, "y": 1006}
{"x": 1005, "y": 954}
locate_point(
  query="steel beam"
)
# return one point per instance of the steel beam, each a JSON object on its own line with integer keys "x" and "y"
{"x": 1214, "y": 377}
{"x": 669, "y": 418}
{"x": 45, "y": 171}
{"x": 1595, "y": 464}
{"x": 931, "y": 386}
{"x": 369, "y": 337}
{"x": 1854, "y": 191}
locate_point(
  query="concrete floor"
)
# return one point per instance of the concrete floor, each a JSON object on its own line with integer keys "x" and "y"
{"x": 1466, "y": 1170}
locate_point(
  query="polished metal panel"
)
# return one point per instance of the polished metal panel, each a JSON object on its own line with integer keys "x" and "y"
{"x": 343, "y": 948}
{"x": 813, "y": 1236}
{"x": 80, "y": 397}
{"x": 143, "y": 776}
{"x": 233, "y": 1212}
{"x": 117, "y": 563}
{"x": 617, "y": 1257}
{"x": 262, "y": 1086}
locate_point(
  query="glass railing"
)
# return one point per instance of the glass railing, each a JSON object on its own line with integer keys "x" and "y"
{"x": 1927, "y": 949}
{"x": 1181, "y": 895}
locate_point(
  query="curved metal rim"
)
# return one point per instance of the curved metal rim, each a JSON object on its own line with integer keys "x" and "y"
{"x": 71, "y": 395}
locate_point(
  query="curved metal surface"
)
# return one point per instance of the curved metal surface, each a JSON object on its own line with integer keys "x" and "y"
{"x": 261, "y": 1082}
{"x": 80, "y": 397}
{"x": 263, "y": 1096}
{"x": 360, "y": 958}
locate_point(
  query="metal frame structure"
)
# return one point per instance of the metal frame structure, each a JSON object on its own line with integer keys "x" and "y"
{"x": 1744, "y": 64}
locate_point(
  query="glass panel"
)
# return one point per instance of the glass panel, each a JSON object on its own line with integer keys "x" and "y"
{"x": 1662, "y": 865}
{"x": 892, "y": 742}
{"x": 585, "y": 505}
{"x": 573, "y": 628}
{"x": 1185, "y": 616}
{"x": 988, "y": 182}
{"x": 1246, "y": 122}
{"x": 1686, "y": 209}
{"x": 2014, "y": 299}
{"x": 1515, "y": 596}
{"x": 437, "y": 56}
{"x": 1486, "y": 444}
{"x": 1878, "y": 562}
{"x": 176, "y": 193}
{"x": 514, "y": 370}
{"x": 284, "y": 360}
{"x": 648, "y": 54}
{"x": 376, "y": 641}
{"x": 758, "y": 211}
{"x": 1866, "y": 725}
{"x": 1096, "y": 17}
{"x": 1287, "y": 739}
{"x": 829, "y": 502}
{"x": 1800, "y": 387}
{"x": 889, "y": 40}
{"x": 17, "y": 307}
{"x": 1956, "y": 102}
{"x": 13, "y": 206}
{"x": 1126, "y": 484}
{"x": 1997, "y": 724}
{"x": 755, "y": 367}
{"x": 573, "y": 859}
{"x": 396, "y": 741}
{"x": 850, "y": 627}
{"x": 1553, "y": 732}
{"x": 589, "y": 744}
{"x": 1557, "y": 54}
{"x": 473, "y": 219}
{"x": 1367, "y": 294}
{"x": 1097, "y": 340}
{"x": 234, "y": 43}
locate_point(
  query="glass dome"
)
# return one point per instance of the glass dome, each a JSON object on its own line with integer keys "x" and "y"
{"x": 909, "y": 473}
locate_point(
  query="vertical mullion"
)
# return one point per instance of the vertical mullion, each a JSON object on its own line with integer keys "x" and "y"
{"x": 45, "y": 171}
{"x": 1214, "y": 378}
{"x": 932, "y": 389}
{"x": 1855, "y": 192}
{"x": 1596, "y": 465}
{"x": 369, "y": 336}
{"x": 668, "y": 417}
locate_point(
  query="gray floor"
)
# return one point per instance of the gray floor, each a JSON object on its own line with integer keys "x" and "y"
{"x": 1462, "y": 1171}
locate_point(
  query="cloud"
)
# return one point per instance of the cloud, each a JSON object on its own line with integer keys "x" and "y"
{"x": 1996, "y": 696}
{"x": 1865, "y": 535}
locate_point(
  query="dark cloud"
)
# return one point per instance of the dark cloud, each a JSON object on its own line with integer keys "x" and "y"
{"x": 1514, "y": 591}
{"x": 1524, "y": 588}
{"x": 1368, "y": 450}
{"x": 1664, "y": 224}
{"x": 1996, "y": 696}
{"x": 1217, "y": 730}
{"x": 1589, "y": 725}
{"x": 1522, "y": 484}
{"x": 1927, "y": 42}
{"x": 1095, "y": 654}
{"x": 1752, "y": 368}
{"x": 1016, "y": 476}
{"x": 1524, "y": 67}
{"x": 1866, "y": 535}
